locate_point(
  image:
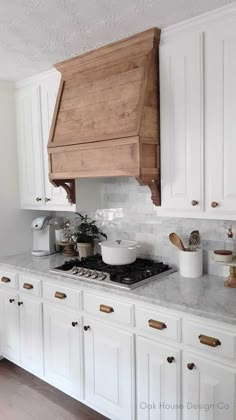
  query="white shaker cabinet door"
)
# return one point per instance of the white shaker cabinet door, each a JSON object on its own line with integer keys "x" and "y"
{"x": 30, "y": 159}
{"x": 55, "y": 198}
{"x": 62, "y": 349}
{"x": 220, "y": 120}
{"x": 158, "y": 381}
{"x": 31, "y": 334}
{"x": 181, "y": 124}
{"x": 10, "y": 325}
{"x": 208, "y": 389}
{"x": 109, "y": 369}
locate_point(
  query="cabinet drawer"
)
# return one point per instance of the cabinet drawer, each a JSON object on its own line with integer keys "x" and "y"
{"x": 212, "y": 340}
{"x": 108, "y": 309}
{"x": 63, "y": 296}
{"x": 158, "y": 324}
{"x": 30, "y": 285}
{"x": 8, "y": 279}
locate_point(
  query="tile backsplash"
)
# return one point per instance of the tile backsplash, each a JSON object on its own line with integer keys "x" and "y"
{"x": 127, "y": 212}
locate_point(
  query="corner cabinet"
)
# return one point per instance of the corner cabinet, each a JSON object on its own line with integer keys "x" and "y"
{"x": 35, "y": 102}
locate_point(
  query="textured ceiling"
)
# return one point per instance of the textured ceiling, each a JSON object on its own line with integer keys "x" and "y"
{"x": 35, "y": 34}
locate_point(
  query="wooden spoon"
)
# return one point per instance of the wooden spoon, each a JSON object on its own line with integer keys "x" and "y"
{"x": 176, "y": 241}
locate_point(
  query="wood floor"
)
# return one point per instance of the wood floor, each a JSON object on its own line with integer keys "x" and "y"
{"x": 25, "y": 397}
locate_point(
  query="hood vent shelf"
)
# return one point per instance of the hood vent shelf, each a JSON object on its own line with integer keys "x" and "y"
{"x": 106, "y": 119}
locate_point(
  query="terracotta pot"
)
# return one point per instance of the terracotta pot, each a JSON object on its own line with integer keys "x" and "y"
{"x": 85, "y": 250}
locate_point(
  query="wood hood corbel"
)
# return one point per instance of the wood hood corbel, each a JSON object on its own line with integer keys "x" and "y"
{"x": 106, "y": 119}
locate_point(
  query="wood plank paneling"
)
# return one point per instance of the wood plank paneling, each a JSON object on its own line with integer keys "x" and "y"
{"x": 109, "y": 94}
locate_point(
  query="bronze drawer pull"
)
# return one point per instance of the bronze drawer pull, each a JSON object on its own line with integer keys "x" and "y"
{"x": 209, "y": 341}
{"x": 156, "y": 324}
{"x": 28, "y": 286}
{"x": 5, "y": 280}
{"x": 60, "y": 295}
{"x": 106, "y": 309}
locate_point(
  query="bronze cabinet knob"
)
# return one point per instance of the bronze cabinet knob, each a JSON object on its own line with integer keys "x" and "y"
{"x": 214, "y": 204}
{"x": 194, "y": 203}
{"x": 86, "y": 327}
{"x": 47, "y": 199}
{"x": 11, "y": 300}
{"x": 190, "y": 366}
{"x": 38, "y": 199}
{"x": 74, "y": 324}
{"x": 170, "y": 359}
{"x": 20, "y": 303}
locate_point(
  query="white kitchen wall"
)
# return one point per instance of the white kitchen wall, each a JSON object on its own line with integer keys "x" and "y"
{"x": 15, "y": 232}
{"x": 127, "y": 212}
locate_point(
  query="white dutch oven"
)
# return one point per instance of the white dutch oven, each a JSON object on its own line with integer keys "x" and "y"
{"x": 119, "y": 252}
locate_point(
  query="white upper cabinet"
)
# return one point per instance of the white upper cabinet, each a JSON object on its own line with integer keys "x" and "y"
{"x": 35, "y": 103}
{"x": 54, "y": 197}
{"x": 29, "y": 147}
{"x": 181, "y": 123}
{"x": 220, "y": 121}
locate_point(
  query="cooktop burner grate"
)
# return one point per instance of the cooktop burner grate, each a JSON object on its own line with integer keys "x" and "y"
{"x": 93, "y": 268}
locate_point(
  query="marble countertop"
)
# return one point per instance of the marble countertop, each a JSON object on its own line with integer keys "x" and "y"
{"x": 205, "y": 296}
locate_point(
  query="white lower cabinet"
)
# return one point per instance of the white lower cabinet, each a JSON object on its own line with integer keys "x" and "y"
{"x": 209, "y": 389}
{"x": 122, "y": 370}
{"x": 22, "y": 331}
{"x": 109, "y": 360}
{"x": 31, "y": 333}
{"x": 158, "y": 381}
{"x": 62, "y": 349}
{"x": 10, "y": 325}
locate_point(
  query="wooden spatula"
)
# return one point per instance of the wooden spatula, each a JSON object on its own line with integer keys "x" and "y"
{"x": 176, "y": 241}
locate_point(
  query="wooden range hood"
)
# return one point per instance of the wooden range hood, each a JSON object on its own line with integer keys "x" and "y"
{"x": 106, "y": 119}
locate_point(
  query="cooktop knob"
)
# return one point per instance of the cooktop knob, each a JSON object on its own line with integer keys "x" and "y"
{"x": 88, "y": 273}
{"x": 102, "y": 276}
{"x": 75, "y": 270}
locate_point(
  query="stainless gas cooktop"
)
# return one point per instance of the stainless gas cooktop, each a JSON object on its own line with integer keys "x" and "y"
{"x": 94, "y": 270}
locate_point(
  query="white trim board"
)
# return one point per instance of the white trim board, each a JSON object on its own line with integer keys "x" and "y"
{"x": 33, "y": 79}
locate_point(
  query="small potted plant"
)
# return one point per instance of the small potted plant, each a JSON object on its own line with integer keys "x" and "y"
{"x": 69, "y": 242}
{"x": 85, "y": 233}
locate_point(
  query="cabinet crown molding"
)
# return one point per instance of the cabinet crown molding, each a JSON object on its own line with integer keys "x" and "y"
{"x": 199, "y": 23}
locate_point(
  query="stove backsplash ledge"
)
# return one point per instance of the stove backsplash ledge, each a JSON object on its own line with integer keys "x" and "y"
{"x": 128, "y": 213}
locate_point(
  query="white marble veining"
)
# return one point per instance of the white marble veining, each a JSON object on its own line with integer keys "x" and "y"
{"x": 205, "y": 297}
